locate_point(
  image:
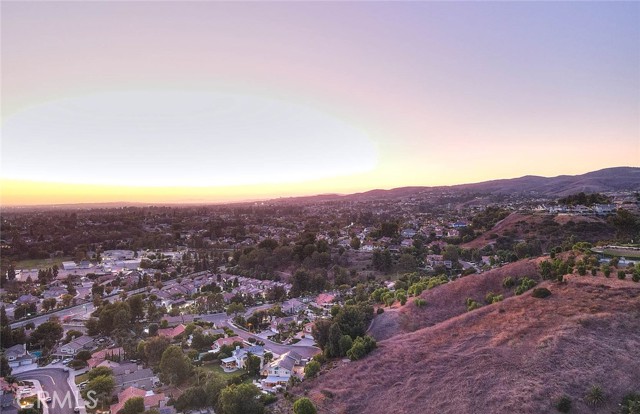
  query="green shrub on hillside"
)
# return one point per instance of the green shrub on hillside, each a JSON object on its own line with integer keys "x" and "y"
{"x": 472, "y": 305}
{"x": 508, "y": 282}
{"x": 595, "y": 396}
{"x": 541, "y": 293}
{"x": 525, "y": 284}
{"x": 630, "y": 404}
{"x": 563, "y": 404}
{"x": 492, "y": 298}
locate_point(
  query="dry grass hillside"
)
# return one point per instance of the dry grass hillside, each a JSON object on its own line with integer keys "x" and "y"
{"x": 515, "y": 356}
{"x": 547, "y": 229}
{"x": 445, "y": 302}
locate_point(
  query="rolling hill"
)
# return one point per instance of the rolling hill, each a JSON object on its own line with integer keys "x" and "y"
{"x": 519, "y": 355}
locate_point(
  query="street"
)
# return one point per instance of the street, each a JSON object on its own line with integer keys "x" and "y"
{"x": 54, "y": 382}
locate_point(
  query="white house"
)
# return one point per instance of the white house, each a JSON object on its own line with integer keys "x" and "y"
{"x": 280, "y": 370}
{"x": 69, "y": 265}
{"x": 239, "y": 357}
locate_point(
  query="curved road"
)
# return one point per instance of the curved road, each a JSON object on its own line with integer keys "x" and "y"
{"x": 304, "y": 351}
{"x": 55, "y": 382}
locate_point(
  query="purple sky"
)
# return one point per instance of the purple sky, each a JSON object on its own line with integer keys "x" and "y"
{"x": 341, "y": 96}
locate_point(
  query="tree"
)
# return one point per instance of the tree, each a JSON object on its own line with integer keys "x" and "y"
{"x": 11, "y": 272}
{"x": 154, "y": 349}
{"x": 93, "y": 326}
{"x": 253, "y": 365}
{"x": 83, "y": 355}
{"x": 241, "y": 399}
{"x": 355, "y": 243}
{"x": 6, "y": 339}
{"x": 102, "y": 387}
{"x": 320, "y": 332}
{"x": 5, "y": 369}
{"x": 72, "y": 334}
{"x": 235, "y": 308}
{"x": 175, "y": 367}
{"x": 49, "y": 304}
{"x": 99, "y": 372}
{"x": 313, "y": 368}
{"x": 361, "y": 347}
{"x": 333, "y": 345}
{"x": 114, "y": 316}
{"x": 67, "y": 299}
{"x": 344, "y": 344}
{"x": 407, "y": 263}
{"x": 136, "y": 307}
{"x": 47, "y": 334}
{"x": 304, "y": 406}
{"x": 133, "y": 405}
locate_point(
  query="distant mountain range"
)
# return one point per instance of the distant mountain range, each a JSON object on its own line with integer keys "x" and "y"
{"x": 608, "y": 179}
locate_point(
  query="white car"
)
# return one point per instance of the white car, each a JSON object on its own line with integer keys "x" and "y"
{"x": 55, "y": 361}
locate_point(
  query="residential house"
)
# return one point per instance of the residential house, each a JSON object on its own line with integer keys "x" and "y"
{"x": 72, "y": 348}
{"x": 18, "y": 356}
{"x": 408, "y": 233}
{"x": 219, "y": 343}
{"x": 54, "y": 292}
{"x": 27, "y": 300}
{"x": 239, "y": 357}
{"x": 130, "y": 374}
{"x": 171, "y": 333}
{"x": 325, "y": 300}
{"x": 292, "y": 306}
{"x": 98, "y": 357}
{"x": 434, "y": 260}
{"x": 151, "y": 400}
{"x": 308, "y": 329}
{"x": 406, "y": 243}
{"x": 279, "y": 371}
{"x": 281, "y": 324}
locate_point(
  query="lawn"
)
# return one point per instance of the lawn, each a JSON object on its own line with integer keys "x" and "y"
{"x": 82, "y": 378}
{"x": 217, "y": 370}
{"x": 41, "y": 263}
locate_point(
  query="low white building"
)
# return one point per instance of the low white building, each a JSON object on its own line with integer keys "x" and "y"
{"x": 69, "y": 265}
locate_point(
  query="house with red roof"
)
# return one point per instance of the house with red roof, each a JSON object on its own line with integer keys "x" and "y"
{"x": 171, "y": 333}
{"x": 219, "y": 343}
{"x": 151, "y": 400}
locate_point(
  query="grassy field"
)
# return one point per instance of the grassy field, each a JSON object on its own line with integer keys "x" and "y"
{"x": 41, "y": 263}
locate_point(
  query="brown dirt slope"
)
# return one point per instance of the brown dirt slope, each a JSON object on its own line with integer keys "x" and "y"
{"x": 445, "y": 302}
{"x": 516, "y": 356}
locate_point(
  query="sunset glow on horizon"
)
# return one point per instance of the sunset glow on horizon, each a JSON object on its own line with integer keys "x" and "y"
{"x": 196, "y": 102}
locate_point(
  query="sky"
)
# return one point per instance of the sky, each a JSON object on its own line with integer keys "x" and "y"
{"x": 224, "y": 101}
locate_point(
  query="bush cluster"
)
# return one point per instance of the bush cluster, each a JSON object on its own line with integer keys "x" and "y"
{"x": 525, "y": 284}
{"x": 541, "y": 293}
